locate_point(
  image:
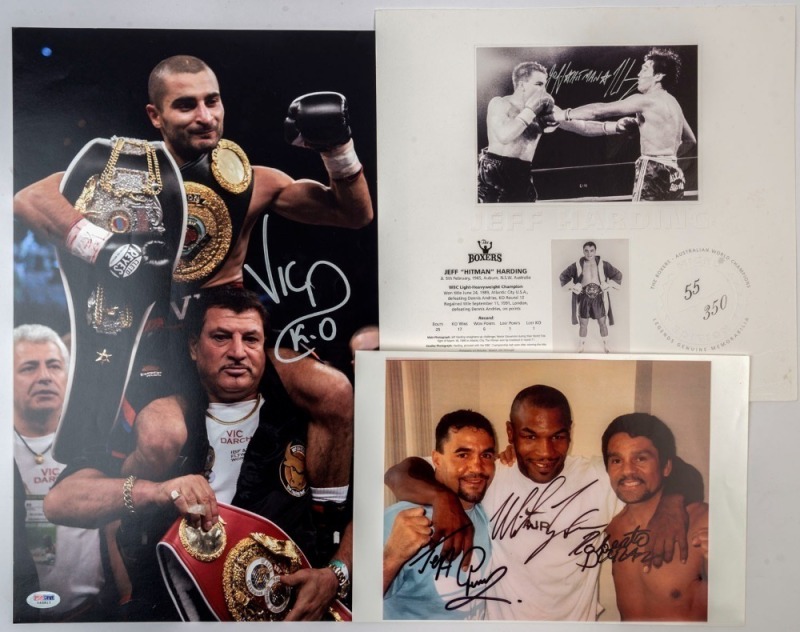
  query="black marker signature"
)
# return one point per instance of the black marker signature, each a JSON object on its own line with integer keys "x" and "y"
{"x": 630, "y": 547}
{"x": 475, "y": 587}
{"x": 320, "y": 325}
{"x": 517, "y": 514}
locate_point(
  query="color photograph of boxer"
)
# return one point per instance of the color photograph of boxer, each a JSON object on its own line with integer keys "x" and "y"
{"x": 194, "y": 218}
{"x": 587, "y": 123}
{"x": 529, "y": 489}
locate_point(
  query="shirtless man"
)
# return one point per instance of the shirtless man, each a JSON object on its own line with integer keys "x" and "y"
{"x": 638, "y": 450}
{"x": 590, "y": 279}
{"x": 514, "y": 124}
{"x": 185, "y": 105}
{"x": 664, "y": 132}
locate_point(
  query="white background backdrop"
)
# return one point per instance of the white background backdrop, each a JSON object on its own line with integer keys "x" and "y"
{"x": 773, "y": 561}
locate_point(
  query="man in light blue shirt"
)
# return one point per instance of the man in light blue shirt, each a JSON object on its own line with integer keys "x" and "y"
{"x": 418, "y": 581}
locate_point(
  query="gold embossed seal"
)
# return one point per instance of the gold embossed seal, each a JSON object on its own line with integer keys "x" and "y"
{"x": 205, "y": 546}
{"x": 231, "y": 167}
{"x": 208, "y": 234}
{"x": 250, "y": 579}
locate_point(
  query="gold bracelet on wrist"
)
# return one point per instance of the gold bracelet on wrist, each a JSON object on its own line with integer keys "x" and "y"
{"x": 127, "y": 493}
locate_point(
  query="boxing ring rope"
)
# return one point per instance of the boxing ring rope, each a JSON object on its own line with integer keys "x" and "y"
{"x": 540, "y": 176}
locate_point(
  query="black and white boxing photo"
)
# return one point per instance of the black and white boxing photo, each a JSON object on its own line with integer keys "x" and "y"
{"x": 587, "y": 123}
{"x": 591, "y": 295}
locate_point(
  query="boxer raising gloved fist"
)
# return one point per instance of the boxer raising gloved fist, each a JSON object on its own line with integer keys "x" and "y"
{"x": 319, "y": 121}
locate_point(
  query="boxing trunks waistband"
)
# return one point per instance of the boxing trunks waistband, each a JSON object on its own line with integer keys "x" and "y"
{"x": 668, "y": 161}
{"x": 508, "y": 160}
{"x": 230, "y": 573}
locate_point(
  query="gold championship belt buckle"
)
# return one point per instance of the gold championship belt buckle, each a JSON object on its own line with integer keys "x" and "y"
{"x": 592, "y": 290}
{"x": 209, "y": 233}
{"x": 231, "y": 167}
{"x": 121, "y": 200}
{"x": 235, "y": 568}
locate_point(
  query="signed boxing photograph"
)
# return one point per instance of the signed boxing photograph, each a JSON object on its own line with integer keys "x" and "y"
{"x": 587, "y": 123}
{"x": 535, "y": 488}
{"x": 194, "y": 267}
{"x": 540, "y": 127}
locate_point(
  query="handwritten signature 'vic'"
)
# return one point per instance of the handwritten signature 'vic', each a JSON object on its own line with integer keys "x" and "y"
{"x": 299, "y": 337}
{"x": 516, "y": 514}
{"x": 472, "y": 579}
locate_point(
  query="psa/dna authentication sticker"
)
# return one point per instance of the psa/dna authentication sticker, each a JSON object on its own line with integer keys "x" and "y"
{"x": 43, "y": 599}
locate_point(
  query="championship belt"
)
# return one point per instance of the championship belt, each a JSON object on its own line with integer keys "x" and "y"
{"x": 218, "y": 190}
{"x": 124, "y": 186}
{"x": 592, "y": 290}
{"x": 231, "y": 572}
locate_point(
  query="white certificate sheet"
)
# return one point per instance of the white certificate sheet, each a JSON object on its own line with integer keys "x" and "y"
{"x": 665, "y": 224}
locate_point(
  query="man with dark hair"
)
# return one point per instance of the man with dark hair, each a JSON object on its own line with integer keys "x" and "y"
{"x": 639, "y": 452}
{"x": 589, "y": 280}
{"x": 418, "y": 583}
{"x": 226, "y": 197}
{"x": 246, "y": 427}
{"x": 186, "y": 107}
{"x": 514, "y": 125}
{"x": 547, "y": 512}
{"x": 663, "y": 130}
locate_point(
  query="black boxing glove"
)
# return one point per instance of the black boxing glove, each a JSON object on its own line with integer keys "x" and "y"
{"x": 134, "y": 255}
{"x": 626, "y": 125}
{"x": 542, "y": 106}
{"x": 537, "y": 110}
{"x": 320, "y": 121}
{"x": 544, "y": 111}
{"x": 120, "y": 255}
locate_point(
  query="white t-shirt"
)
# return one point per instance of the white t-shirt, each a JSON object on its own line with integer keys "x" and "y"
{"x": 543, "y": 535}
{"x": 67, "y": 559}
{"x": 229, "y": 442}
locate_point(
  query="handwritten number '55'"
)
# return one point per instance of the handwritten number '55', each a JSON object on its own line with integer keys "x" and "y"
{"x": 691, "y": 289}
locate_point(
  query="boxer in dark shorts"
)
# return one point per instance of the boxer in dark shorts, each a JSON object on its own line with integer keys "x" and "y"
{"x": 502, "y": 179}
{"x": 664, "y": 132}
{"x": 590, "y": 302}
{"x": 514, "y": 126}
{"x": 658, "y": 179}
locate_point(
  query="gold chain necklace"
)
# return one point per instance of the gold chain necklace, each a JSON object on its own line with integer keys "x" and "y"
{"x": 241, "y": 419}
{"x": 154, "y": 184}
{"x": 38, "y": 457}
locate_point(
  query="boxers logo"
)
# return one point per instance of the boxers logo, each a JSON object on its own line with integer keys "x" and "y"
{"x": 43, "y": 599}
{"x": 484, "y": 255}
{"x": 293, "y": 469}
{"x": 125, "y": 260}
